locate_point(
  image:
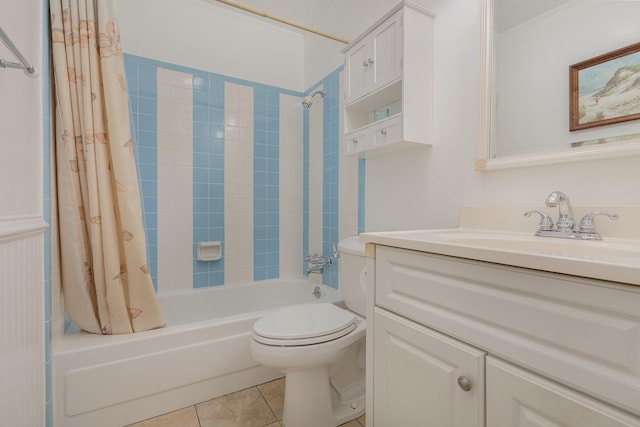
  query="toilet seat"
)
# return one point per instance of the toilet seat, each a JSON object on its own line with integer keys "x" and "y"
{"x": 304, "y": 325}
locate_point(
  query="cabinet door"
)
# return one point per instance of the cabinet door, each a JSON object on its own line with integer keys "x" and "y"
{"x": 386, "y": 52}
{"x": 519, "y": 398}
{"x": 416, "y": 375}
{"x": 357, "y": 70}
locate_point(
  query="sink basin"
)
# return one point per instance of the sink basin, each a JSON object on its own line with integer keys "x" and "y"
{"x": 609, "y": 259}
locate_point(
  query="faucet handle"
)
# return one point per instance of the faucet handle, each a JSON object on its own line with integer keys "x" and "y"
{"x": 546, "y": 223}
{"x": 587, "y": 224}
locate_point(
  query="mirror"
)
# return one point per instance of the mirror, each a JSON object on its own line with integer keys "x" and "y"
{"x": 526, "y": 49}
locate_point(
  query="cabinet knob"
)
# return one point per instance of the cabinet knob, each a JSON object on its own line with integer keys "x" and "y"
{"x": 383, "y": 132}
{"x": 355, "y": 141}
{"x": 464, "y": 383}
{"x": 365, "y": 63}
{"x": 370, "y": 61}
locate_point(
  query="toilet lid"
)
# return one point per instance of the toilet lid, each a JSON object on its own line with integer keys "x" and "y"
{"x": 304, "y": 324}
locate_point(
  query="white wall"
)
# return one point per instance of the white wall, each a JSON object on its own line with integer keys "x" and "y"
{"x": 211, "y": 37}
{"x": 21, "y": 113}
{"x": 22, "y": 314}
{"x": 426, "y": 188}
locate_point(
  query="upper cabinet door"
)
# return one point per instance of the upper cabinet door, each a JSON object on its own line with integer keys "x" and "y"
{"x": 357, "y": 69}
{"x": 424, "y": 378}
{"x": 386, "y": 56}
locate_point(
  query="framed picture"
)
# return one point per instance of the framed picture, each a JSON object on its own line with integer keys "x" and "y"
{"x": 605, "y": 89}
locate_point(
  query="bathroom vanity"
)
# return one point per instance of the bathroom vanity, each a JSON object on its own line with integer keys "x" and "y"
{"x": 488, "y": 328}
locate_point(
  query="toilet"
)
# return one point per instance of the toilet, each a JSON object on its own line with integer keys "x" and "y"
{"x": 321, "y": 349}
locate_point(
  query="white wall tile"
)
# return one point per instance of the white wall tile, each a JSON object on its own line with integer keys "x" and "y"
{"x": 184, "y": 81}
{"x": 166, "y": 77}
{"x": 291, "y": 179}
{"x": 238, "y": 183}
{"x": 175, "y": 177}
{"x": 315, "y": 178}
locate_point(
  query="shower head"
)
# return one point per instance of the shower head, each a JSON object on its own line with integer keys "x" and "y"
{"x": 307, "y": 101}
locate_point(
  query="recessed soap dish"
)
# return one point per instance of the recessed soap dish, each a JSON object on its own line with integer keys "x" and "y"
{"x": 209, "y": 251}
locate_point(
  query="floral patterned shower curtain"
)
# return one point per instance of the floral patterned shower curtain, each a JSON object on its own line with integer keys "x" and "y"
{"x": 106, "y": 284}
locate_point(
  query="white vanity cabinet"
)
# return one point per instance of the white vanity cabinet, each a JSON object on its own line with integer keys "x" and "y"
{"x": 388, "y": 81}
{"x": 537, "y": 348}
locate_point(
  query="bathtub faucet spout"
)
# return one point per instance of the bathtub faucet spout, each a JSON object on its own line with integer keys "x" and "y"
{"x": 316, "y": 259}
{"x": 317, "y": 263}
{"x": 318, "y": 269}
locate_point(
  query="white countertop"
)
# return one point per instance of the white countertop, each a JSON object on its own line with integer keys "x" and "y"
{"x": 612, "y": 259}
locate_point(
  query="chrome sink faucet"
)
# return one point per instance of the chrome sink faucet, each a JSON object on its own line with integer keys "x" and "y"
{"x": 565, "y": 226}
{"x": 565, "y": 211}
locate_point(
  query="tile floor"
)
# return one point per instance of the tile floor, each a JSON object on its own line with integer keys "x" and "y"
{"x": 259, "y": 406}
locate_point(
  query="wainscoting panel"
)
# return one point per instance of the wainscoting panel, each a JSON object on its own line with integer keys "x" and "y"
{"x": 22, "y": 340}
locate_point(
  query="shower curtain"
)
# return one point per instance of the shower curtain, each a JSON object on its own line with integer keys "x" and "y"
{"x": 105, "y": 281}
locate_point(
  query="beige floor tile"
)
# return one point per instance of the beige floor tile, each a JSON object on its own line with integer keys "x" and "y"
{"x": 363, "y": 419}
{"x": 273, "y": 393}
{"x": 352, "y": 423}
{"x": 276, "y": 424}
{"x": 185, "y": 417}
{"x": 245, "y": 408}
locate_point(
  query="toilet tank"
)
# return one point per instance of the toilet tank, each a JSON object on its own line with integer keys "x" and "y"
{"x": 352, "y": 269}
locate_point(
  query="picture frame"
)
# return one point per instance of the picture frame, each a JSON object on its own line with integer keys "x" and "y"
{"x": 602, "y": 90}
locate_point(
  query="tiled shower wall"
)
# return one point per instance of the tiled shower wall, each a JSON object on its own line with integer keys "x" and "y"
{"x": 223, "y": 159}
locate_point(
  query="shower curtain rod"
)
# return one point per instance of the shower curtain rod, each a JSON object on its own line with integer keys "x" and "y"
{"x": 282, "y": 20}
{"x": 29, "y": 69}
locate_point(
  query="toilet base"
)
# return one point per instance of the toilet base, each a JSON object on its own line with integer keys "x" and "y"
{"x": 308, "y": 406}
{"x": 347, "y": 411}
{"x": 317, "y": 406}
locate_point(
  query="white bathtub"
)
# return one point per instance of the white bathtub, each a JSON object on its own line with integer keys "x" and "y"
{"x": 203, "y": 353}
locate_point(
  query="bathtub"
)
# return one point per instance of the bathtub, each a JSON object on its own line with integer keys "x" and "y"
{"x": 203, "y": 353}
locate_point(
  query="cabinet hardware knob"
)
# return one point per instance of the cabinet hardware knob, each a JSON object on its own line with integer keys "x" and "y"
{"x": 370, "y": 61}
{"x": 355, "y": 141}
{"x": 365, "y": 63}
{"x": 464, "y": 383}
{"x": 383, "y": 132}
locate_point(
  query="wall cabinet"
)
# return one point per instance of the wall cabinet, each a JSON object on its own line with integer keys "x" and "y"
{"x": 537, "y": 348}
{"x": 388, "y": 81}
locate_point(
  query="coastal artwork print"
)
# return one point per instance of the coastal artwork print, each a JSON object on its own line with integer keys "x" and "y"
{"x": 605, "y": 89}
